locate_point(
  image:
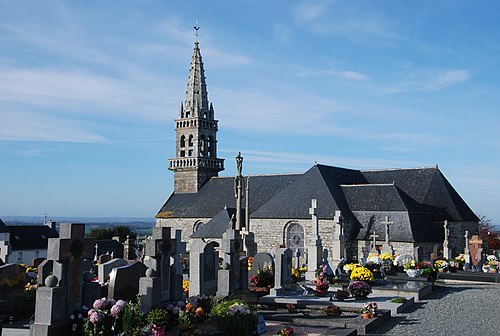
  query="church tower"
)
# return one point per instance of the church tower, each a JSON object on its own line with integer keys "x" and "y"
{"x": 196, "y": 134}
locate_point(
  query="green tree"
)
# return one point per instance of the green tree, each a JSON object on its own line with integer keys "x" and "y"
{"x": 108, "y": 233}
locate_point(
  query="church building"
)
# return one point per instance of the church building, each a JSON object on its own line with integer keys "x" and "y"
{"x": 405, "y": 210}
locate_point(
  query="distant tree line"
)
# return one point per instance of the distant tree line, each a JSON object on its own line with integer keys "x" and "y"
{"x": 108, "y": 233}
{"x": 488, "y": 233}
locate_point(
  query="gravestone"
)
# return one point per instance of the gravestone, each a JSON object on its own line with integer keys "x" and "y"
{"x": 416, "y": 254}
{"x": 475, "y": 246}
{"x": 124, "y": 281}
{"x": 50, "y": 310}
{"x": 467, "y": 251}
{"x": 68, "y": 252}
{"x": 91, "y": 291}
{"x": 149, "y": 291}
{"x": 44, "y": 270}
{"x": 228, "y": 278}
{"x": 243, "y": 272}
{"x": 37, "y": 261}
{"x": 158, "y": 249}
{"x": 373, "y": 247}
{"x": 176, "y": 277}
{"x": 103, "y": 270}
{"x": 446, "y": 242}
{"x": 261, "y": 260}
{"x": 8, "y": 272}
{"x": 387, "y": 247}
{"x": 314, "y": 244}
{"x": 129, "y": 249}
{"x": 203, "y": 266}
{"x": 283, "y": 272}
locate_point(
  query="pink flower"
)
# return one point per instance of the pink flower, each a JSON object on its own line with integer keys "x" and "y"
{"x": 100, "y": 303}
{"x": 121, "y": 303}
{"x": 96, "y": 318}
{"x": 116, "y": 310}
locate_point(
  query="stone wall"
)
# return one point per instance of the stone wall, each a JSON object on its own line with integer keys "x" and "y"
{"x": 457, "y": 235}
{"x": 185, "y": 224}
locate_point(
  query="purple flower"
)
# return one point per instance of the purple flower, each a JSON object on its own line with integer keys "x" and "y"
{"x": 116, "y": 310}
{"x": 90, "y": 312}
{"x": 121, "y": 303}
{"x": 175, "y": 310}
{"x": 100, "y": 303}
{"x": 169, "y": 307}
{"x": 111, "y": 302}
{"x": 181, "y": 304}
{"x": 96, "y": 318}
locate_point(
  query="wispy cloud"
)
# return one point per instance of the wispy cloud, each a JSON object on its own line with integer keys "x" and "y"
{"x": 310, "y": 11}
{"x": 336, "y": 72}
{"x": 447, "y": 78}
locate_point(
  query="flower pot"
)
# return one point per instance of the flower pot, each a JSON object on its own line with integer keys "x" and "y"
{"x": 493, "y": 270}
{"x": 366, "y": 315}
{"x": 412, "y": 273}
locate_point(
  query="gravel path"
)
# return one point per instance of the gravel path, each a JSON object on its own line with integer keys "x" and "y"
{"x": 457, "y": 309}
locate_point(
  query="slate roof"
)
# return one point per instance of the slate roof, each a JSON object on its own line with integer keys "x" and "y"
{"x": 415, "y": 199}
{"x": 3, "y": 227}
{"x": 218, "y": 193}
{"x": 30, "y": 237}
{"x": 215, "y": 227}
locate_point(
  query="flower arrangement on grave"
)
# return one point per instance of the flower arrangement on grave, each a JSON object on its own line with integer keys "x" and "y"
{"x": 425, "y": 267}
{"x": 387, "y": 257}
{"x": 369, "y": 308}
{"x": 296, "y": 276}
{"x": 401, "y": 260}
{"x": 410, "y": 264}
{"x": 441, "y": 265}
{"x": 332, "y": 310}
{"x": 250, "y": 262}
{"x": 362, "y": 273}
{"x": 374, "y": 259}
{"x": 321, "y": 271}
{"x": 105, "y": 317}
{"x": 185, "y": 287}
{"x": 303, "y": 269}
{"x": 32, "y": 278}
{"x": 287, "y": 331}
{"x": 349, "y": 267}
{"x": 133, "y": 318}
{"x": 292, "y": 308}
{"x": 158, "y": 320}
{"x": 263, "y": 278}
{"x": 235, "y": 317}
{"x": 359, "y": 289}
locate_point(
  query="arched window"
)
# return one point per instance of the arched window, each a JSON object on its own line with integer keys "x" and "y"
{"x": 197, "y": 226}
{"x": 295, "y": 237}
{"x": 183, "y": 141}
{"x": 203, "y": 145}
{"x": 190, "y": 141}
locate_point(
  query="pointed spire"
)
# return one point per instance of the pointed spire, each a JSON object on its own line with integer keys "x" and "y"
{"x": 196, "y": 92}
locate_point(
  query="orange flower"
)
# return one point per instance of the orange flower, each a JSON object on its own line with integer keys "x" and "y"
{"x": 189, "y": 307}
{"x": 199, "y": 312}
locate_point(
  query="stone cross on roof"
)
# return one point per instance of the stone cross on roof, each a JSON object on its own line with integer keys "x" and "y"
{"x": 68, "y": 252}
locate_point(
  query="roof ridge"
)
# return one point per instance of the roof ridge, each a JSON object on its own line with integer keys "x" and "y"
{"x": 257, "y": 175}
{"x": 392, "y": 169}
{"x": 368, "y": 185}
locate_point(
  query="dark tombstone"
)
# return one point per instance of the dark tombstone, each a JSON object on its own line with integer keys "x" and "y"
{"x": 228, "y": 278}
{"x": 283, "y": 272}
{"x": 158, "y": 249}
{"x": 124, "y": 281}
{"x": 103, "y": 270}
{"x": 68, "y": 252}
{"x": 103, "y": 258}
{"x": 37, "y": 261}
{"x": 11, "y": 271}
{"x": 44, "y": 270}
{"x": 203, "y": 268}
{"x": 91, "y": 290}
{"x": 243, "y": 272}
{"x": 176, "y": 277}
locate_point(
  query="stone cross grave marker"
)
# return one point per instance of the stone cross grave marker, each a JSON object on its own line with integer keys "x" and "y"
{"x": 475, "y": 246}
{"x": 229, "y": 277}
{"x": 159, "y": 248}
{"x": 314, "y": 245}
{"x": 446, "y": 249}
{"x": 283, "y": 272}
{"x": 68, "y": 252}
{"x": 386, "y": 247}
{"x": 374, "y": 237}
{"x": 466, "y": 250}
{"x": 178, "y": 249}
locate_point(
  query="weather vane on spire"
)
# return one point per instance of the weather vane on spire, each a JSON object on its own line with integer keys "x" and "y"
{"x": 196, "y": 28}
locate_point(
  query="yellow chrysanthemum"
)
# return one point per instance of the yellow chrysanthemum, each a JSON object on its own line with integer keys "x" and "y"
{"x": 362, "y": 273}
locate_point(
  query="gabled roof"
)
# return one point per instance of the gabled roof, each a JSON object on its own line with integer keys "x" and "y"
{"x": 429, "y": 187}
{"x": 218, "y": 193}
{"x": 320, "y": 182}
{"x": 215, "y": 227}
{"x": 3, "y": 227}
{"x": 30, "y": 237}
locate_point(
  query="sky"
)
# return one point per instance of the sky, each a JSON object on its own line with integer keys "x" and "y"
{"x": 89, "y": 91}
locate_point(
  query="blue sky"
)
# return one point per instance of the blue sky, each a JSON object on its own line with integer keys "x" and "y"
{"x": 89, "y": 91}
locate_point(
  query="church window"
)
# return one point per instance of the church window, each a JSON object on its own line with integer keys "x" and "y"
{"x": 190, "y": 152}
{"x": 183, "y": 141}
{"x": 190, "y": 141}
{"x": 203, "y": 147}
{"x": 183, "y": 153}
{"x": 295, "y": 237}
{"x": 197, "y": 226}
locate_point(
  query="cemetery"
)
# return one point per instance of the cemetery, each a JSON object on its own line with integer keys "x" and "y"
{"x": 228, "y": 292}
